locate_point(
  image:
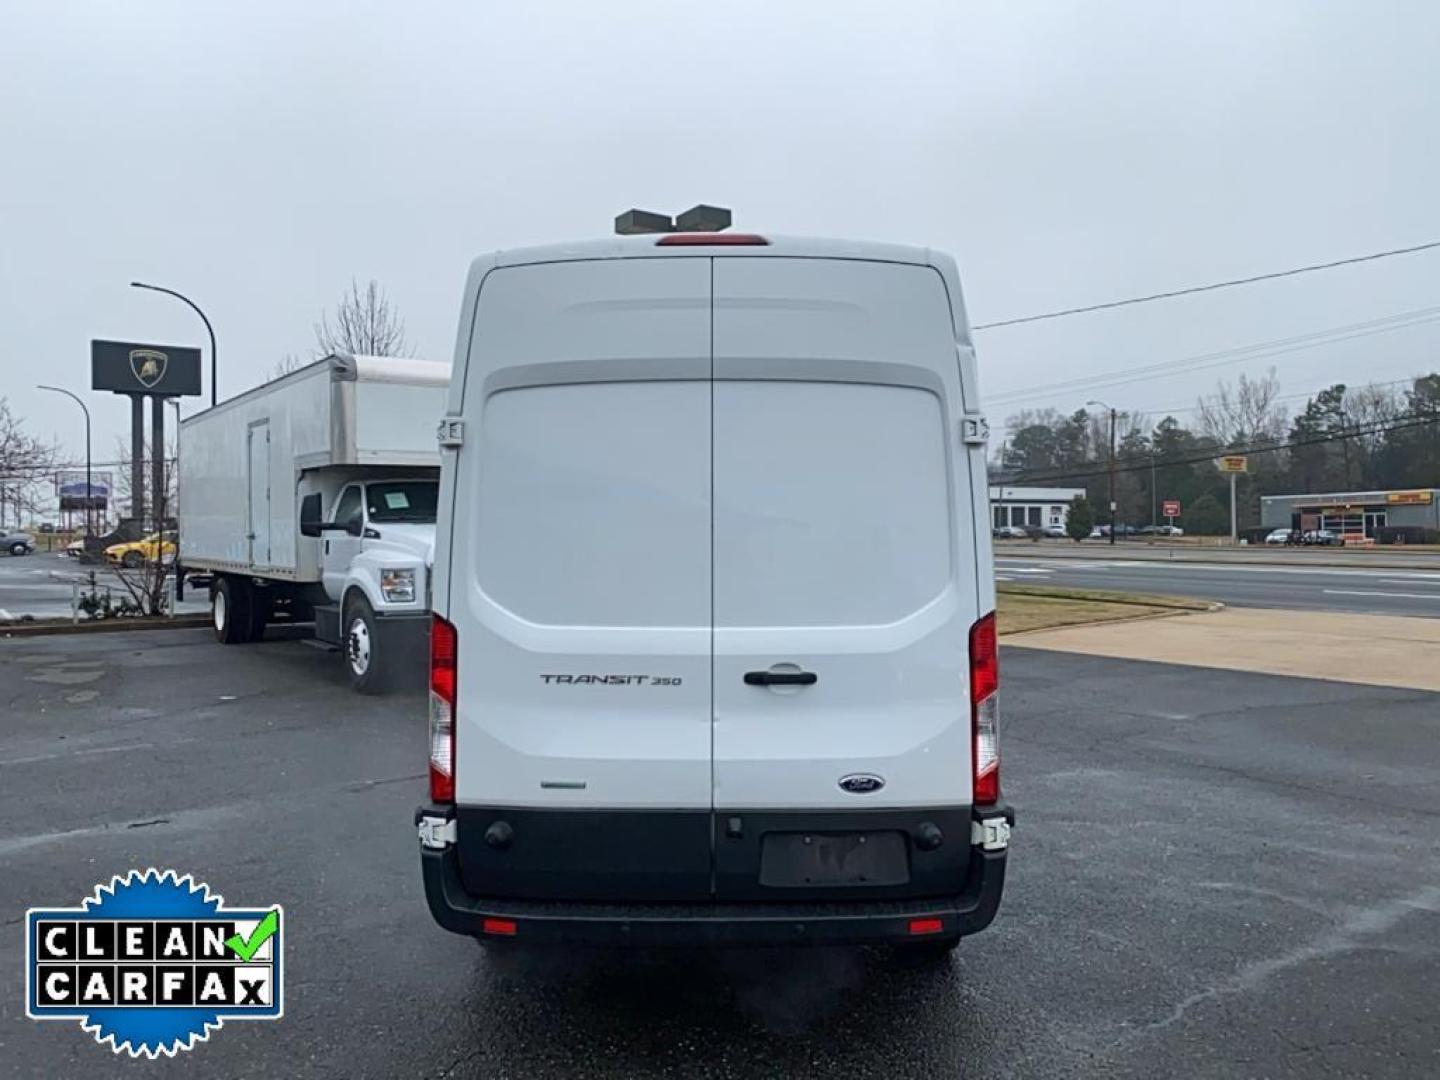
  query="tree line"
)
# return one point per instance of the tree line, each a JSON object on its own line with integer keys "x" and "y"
{"x": 1370, "y": 437}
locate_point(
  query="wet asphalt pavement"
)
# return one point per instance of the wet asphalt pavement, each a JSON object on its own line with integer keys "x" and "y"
{"x": 1213, "y": 875}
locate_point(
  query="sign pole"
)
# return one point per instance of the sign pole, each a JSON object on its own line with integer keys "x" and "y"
{"x": 137, "y": 458}
{"x": 1234, "y": 530}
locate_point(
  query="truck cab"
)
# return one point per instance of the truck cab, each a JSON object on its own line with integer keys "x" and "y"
{"x": 377, "y": 551}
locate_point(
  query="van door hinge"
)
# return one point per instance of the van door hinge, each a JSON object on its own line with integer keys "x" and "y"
{"x": 437, "y": 833}
{"x": 450, "y": 433}
{"x": 990, "y": 834}
{"x": 974, "y": 429}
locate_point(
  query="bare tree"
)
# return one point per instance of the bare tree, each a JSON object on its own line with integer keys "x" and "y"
{"x": 365, "y": 324}
{"x": 285, "y": 365}
{"x": 27, "y": 465}
{"x": 1246, "y": 413}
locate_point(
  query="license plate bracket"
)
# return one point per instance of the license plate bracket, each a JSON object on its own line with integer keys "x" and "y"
{"x": 834, "y": 859}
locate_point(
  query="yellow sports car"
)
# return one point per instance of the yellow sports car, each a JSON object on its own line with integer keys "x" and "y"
{"x": 136, "y": 553}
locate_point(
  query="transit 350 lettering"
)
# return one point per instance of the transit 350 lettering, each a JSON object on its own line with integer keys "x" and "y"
{"x": 611, "y": 680}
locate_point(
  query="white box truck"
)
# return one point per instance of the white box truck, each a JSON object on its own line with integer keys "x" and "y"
{"x": 313, "y": 497}
{"x": 713, "y": 656}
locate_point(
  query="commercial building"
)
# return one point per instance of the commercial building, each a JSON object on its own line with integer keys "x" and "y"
{"x": 1384, "y": 516}
{"x": 1030, "y": 507}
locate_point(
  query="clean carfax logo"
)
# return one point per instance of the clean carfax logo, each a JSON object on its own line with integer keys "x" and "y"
{"x": 152, "y": 962}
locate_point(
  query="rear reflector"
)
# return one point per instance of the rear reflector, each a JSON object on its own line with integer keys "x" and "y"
{"x": 985, "y": 711}
{"x": 919, "y": 927}
{"x": 705, "y": 239}
{"x": 503, "y": 927}
{"x": 443, "y": 646}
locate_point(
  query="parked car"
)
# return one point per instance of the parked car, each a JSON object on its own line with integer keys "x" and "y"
{"x": 1281, "y": 536}
{"x": 1169, "y": 530}
{"x": 47, "y": 527}
{"x": 136, "y": 553}
{"x": 1320, "y": 538}
{"x": 793, "y": 770}
{"x": 1056, "y": 531}
{"x": 1009, "y": 532}
{"x": 16, "y": 542}
{"x": 1099, "y": 532}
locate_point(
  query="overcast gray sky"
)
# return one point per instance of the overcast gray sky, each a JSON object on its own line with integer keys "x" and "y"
{"x": 259, "y": 156}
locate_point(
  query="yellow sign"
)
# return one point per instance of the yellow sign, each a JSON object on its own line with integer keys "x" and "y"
{"x": 1233, "y": 463}
{"x": 1410, "y": 498}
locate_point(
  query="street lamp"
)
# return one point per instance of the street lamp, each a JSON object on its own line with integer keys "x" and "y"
{"x": 89, "y": 492}
{"x": 196, "y": 308}
{"x": 1102, "y": 405}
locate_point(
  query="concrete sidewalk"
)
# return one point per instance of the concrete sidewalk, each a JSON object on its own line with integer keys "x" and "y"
{"x": 1374, "y": 650}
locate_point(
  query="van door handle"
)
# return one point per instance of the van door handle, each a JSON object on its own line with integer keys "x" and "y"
{"x": 780, "y": 678}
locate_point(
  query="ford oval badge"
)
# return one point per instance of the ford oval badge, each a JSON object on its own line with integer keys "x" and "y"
{"x": 861, "y": 783}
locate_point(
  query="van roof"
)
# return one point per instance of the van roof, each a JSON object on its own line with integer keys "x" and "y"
{"x": 647, "y": 246}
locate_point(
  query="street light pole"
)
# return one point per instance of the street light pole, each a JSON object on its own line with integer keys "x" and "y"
{"x": 196, "y": 308}
{"x": 89, "y": 492}
{"x": 1112, "y": 464}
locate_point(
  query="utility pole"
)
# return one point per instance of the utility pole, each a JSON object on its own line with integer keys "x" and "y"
{"x": 1112, "y": 464}
{"x": 1153, "y": 519}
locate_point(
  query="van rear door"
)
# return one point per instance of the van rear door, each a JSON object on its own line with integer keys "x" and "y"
{"x": 580, "y": 584}
{"x": 845, "y": 563}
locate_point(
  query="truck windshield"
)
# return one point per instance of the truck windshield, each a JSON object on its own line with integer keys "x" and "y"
{"x": 401, "y": 500}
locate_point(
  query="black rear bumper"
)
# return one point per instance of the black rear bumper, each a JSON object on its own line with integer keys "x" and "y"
{"x": 825, "y": 922}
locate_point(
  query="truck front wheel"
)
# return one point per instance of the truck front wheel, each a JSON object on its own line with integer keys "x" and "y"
{"x": 365, "y": 662}
{"x": 230, "y": 611}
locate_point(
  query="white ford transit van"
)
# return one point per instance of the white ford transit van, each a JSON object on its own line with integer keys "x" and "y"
{"x": 713, "y": 651}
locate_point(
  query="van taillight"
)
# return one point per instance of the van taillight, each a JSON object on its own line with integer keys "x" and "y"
{"x": 705, "y": 239}
{"x": 985, "y": 711}
{"x": 442, "y": 710}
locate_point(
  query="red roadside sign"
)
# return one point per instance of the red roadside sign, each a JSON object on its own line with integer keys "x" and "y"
{"x": 1170, "y": 507}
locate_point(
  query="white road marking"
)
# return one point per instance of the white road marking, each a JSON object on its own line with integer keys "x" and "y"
{"x": 1376, "y": 592}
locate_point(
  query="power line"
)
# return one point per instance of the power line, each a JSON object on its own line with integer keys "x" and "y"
{"x": 1229, "y": 284}
{"x": 1401, "y": 423}
{"x": 1277, "y": 347}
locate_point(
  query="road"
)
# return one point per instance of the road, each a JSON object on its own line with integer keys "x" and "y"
{"x": 1386, "y": 592}
{"x": 40, "y": 585}
{"x": 1215, "y": 874}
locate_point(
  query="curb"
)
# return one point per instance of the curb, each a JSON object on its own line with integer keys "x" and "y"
{"x": 1164, "y": 613}
{"x": 104, "y": 626}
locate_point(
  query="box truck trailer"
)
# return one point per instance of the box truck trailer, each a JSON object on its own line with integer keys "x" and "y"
{"x": 312, "y": 498}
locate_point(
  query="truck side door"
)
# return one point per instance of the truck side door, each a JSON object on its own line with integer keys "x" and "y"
{"x": 339, "y": 548}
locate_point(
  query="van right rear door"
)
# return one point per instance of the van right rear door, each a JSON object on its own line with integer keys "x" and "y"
{"x": 846, "y": 579}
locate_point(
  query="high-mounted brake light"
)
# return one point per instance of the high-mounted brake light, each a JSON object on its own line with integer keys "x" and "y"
{"x": 704, "y": 239}
{"x": 985, "y": 711}
{"x": 442, "y": 710}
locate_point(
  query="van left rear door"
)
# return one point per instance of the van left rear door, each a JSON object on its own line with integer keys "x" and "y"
{"x": 580, "y": 585}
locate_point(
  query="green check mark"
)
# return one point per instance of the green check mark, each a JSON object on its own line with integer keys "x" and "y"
{"x": 246, "y": 948}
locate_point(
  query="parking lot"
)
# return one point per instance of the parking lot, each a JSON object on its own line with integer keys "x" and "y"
{"x": 1213, "y": 875}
